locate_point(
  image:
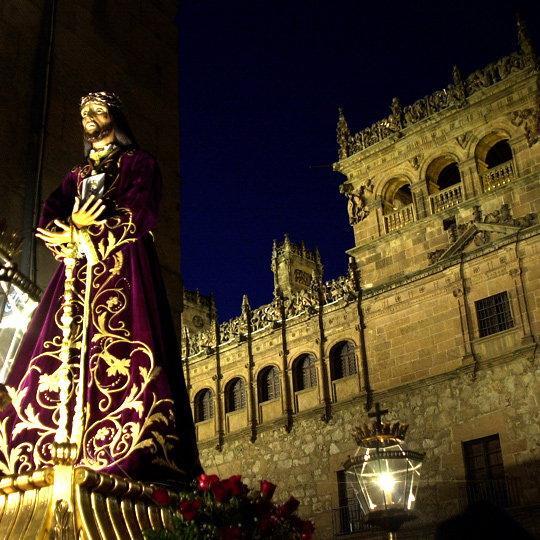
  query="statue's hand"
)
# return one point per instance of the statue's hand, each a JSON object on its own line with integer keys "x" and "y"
{"x": 55, "y": 238}
{"x": 88, "y": 213}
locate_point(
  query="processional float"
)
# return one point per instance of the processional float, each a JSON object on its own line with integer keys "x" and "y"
{"x": 64, "y": 502}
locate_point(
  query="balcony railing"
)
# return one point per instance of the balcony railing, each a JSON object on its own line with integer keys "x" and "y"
{"x": 498, "y": 176}
{"x": 399, "y": 218}
{"x": 348, "y": 519}
{"x": 446, "y": 198}
{"x": 503, "y": 492}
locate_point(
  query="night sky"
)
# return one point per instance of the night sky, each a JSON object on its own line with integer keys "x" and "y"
{"x": 261, "y": 82}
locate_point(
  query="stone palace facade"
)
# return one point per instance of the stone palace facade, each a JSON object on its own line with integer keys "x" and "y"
{"x": 436, "y": 318}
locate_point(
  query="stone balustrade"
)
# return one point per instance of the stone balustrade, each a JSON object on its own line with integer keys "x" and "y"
{"x": 446, "y": 198}
{"x": 498, "y": 176}
{"x": 399, "y": 218}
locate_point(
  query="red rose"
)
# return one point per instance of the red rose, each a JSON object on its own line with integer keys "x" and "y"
{"x": 190, "y": 509}
{"x": 161, "y": 496}
{"x": 268, "y": 526}
{"x": 267, "y": 489}
{"x": 289, "y": 507}
{"x": 222, "y": 491}
{"x": 230, "y": 532}
{"x": 237, "y": 486}
{"x": 305, "y": 528}
{"x": 263, "y": 508}
{"x": 206, "y": 481}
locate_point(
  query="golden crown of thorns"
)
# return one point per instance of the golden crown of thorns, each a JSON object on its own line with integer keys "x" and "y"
{"x": 107, "y": 98}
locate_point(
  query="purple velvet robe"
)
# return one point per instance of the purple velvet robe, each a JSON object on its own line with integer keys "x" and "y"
{"x": 138, "y": 420}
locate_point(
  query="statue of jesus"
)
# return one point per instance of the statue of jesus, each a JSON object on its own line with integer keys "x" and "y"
{"x": 99, "y": 368}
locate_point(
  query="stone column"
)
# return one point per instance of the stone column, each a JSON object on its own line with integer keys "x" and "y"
{"x": 420, "y": 200}
{"x": 521, "y": 155}
{"x": 471, "y": 184}
{"x": 286, "y": 397}
{"x": 251, "y": 389}
{"x": 519, "y": 286}
{"x": 460, "y": 294}
{"x": 323, "y": 377}
{"x": 220, "y": 406}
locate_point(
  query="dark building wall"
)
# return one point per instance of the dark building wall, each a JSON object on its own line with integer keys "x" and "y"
{"x": 129, "y": 48}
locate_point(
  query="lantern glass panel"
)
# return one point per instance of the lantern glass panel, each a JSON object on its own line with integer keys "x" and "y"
{"x": 16, "y": 309}
{"x": 385, "y": 477}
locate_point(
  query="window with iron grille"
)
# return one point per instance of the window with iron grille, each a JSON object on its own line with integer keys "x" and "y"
{"x": 236, "y": 395}
{"x": 348, "y": 517}
{"x": 483, "y": 458}
{"x": 343, "y": 360}
{"x": 305, "y": 372}
{"x": 494, "y": 314}
{"x": 204, "y": 405}
{"x": 269, "y": 386}
{"x": 484, "y": 468}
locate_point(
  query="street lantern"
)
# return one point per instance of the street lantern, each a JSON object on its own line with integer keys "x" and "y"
{"x": 19, "y": 298}
{"x": 384, "y": 474}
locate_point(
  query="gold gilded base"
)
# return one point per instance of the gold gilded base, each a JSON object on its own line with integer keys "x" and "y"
{"x": 68, "y": 503}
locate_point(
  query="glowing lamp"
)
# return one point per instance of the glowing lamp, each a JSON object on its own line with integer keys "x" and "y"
{"x": 19, "y": 298}
{"x": 384, "y": 474}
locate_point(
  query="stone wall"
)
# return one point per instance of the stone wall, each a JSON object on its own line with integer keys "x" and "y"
{"x": 424, "y": 361}
{"x": 443, "y": 412}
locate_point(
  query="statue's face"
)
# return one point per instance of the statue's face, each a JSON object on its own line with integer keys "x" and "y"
{"x": 96, "y": 122}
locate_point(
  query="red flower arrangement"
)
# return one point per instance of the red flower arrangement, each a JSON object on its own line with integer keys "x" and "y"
{"x": 161, "y": 496}
{"x": 228, "y": 510}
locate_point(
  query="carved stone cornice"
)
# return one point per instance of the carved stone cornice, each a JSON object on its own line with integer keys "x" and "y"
{"x": 500, "y": 221}
{"x": 529, "y": 120}
{"x": 454, "y": 95}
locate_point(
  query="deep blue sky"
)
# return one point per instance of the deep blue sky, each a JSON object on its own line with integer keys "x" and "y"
{"x": 260, "y": 86}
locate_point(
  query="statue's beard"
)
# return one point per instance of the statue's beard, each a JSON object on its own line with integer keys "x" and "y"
{"x": 98, "y": 133}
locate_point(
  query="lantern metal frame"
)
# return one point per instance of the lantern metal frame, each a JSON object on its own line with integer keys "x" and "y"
{"x": 384, "y": 474}
{"x": 19, "y": 297}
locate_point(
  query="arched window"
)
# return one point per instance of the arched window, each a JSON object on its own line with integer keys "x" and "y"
{"x": 305, "y": 372}
{"x": 498, "y": 154}
{"x": 449, "y": 176}
{"x": 402, "y": 197}
{"x": 494, "y": 160}
{"x": 235, "y": 395}
{"x": 342, "y": 360}
{"x": 204, "y": 405}
{"x": 442, "y": 173}
{"x": 269, "y": 384}
{"x": 397, "y": 203}
{"x": 396, "y": 195}
{"x": 444, "y": 183}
